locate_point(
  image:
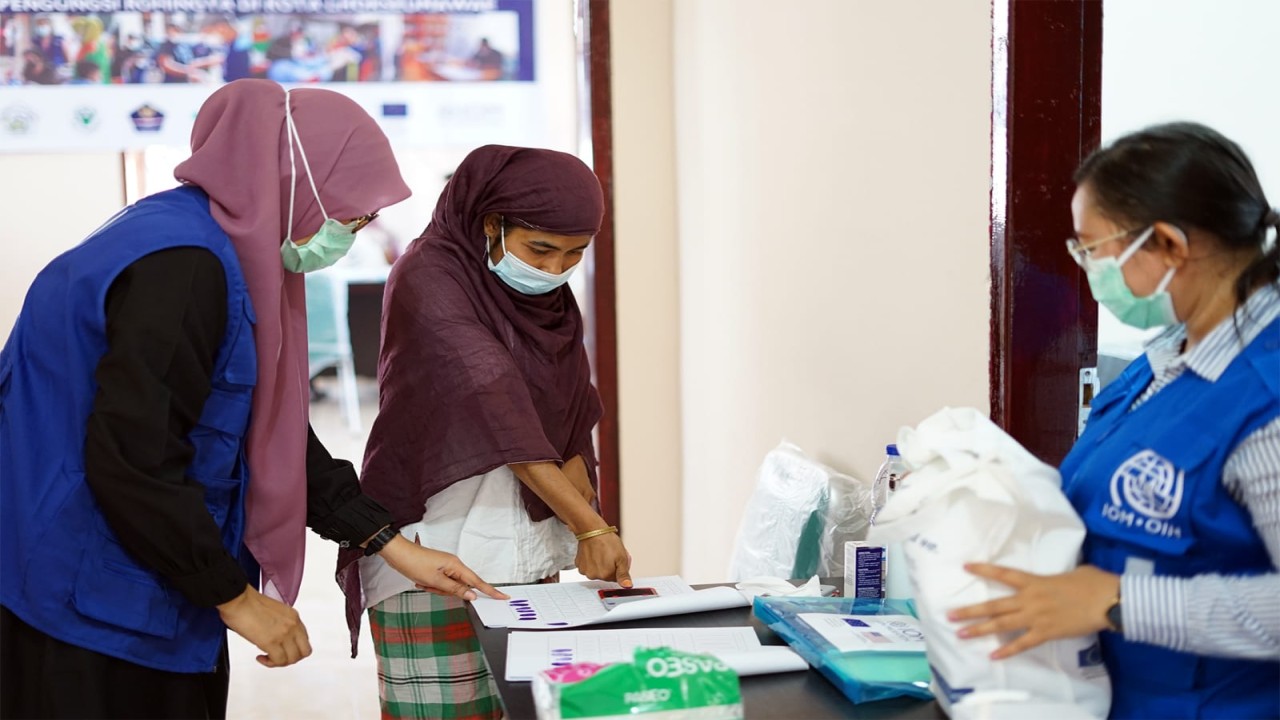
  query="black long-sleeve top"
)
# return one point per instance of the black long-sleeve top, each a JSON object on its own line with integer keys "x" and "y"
{"x": 166, "y": 316}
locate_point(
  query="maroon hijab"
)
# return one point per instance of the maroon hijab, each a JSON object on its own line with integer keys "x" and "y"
{"x": 473, "y": 374}
{"x": 240, "y": 157}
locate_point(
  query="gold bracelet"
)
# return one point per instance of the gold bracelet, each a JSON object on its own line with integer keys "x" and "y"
{"x": 596, "y": 533}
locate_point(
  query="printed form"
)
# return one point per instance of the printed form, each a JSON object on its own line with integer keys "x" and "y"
{"x": 565, "y": 605}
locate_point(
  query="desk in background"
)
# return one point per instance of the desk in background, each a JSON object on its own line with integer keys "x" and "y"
{"x": 788, "y": 696}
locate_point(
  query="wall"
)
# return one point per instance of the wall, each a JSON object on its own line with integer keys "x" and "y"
{"x": 833, "y": 184}
{"x": 648, "y": 297}
{"x": 1211, "y": 62}
{"x": 34, "y": 193}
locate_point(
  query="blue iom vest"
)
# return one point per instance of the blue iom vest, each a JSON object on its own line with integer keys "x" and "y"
{"x": 1148, "y": 484}
{"x": 62, "y": 569}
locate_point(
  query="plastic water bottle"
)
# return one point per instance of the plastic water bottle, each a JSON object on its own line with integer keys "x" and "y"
{"x": 888, "y": 479}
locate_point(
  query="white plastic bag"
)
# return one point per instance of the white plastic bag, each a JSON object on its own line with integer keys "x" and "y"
{"x": 798, "y": 518}
{"x": 976, "y": 495}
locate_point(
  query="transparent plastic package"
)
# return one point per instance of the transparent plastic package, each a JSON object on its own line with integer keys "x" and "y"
{"x": 798, "y": 518}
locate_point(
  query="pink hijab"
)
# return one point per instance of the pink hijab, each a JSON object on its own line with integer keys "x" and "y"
{"x": 240, "y": 157}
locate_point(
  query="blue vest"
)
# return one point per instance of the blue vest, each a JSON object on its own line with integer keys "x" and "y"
{"x": 1148, "y": 485}
{"x": 62, "y": 569}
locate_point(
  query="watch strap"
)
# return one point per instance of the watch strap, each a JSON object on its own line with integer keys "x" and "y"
{"x": 379, "y": 541}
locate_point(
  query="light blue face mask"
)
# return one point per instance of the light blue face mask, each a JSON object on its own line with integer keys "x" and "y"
{"x": 333, "y": 240}
{"x": 1106, "y": 281}
{"x": 520, "y": 275}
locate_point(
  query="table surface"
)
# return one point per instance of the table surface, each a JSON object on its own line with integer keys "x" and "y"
{"x": 781, "y": 695}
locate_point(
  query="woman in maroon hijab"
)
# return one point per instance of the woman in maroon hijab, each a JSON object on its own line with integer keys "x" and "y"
{"x": 155, "y": 384}
{"x": 482, "y": 446}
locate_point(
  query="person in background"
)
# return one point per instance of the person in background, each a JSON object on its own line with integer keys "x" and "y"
{"x": 482, "y": 444}
{"x": 93, "y": 46}
{"x": 1177, "y": 475}
{"x": 50, "y": 44}
{"x": 87, "y": 73}
{"x": 488, "y": 61}
{"x": 348, "y": 51}
{"x": 133, "y": 60}
{"x": 225, "y": 40}
{"x": 37, "y": 70}
{"x": 155, "y": 454}
{"x": 176, "y": 57}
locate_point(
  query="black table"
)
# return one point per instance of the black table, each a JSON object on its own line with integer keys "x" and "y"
{"x": 792, "y": 695}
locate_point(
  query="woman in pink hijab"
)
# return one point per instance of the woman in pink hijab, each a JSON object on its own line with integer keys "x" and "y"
{"x": 155, "y": 456}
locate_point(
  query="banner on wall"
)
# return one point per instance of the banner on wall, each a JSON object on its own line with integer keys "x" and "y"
{"x": 121, "y": 74}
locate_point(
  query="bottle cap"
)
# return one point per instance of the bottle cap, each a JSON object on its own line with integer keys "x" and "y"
{"x": 891, "y": 450}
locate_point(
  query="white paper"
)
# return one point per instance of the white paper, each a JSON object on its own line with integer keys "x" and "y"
{"x": 868, "y": 633}
{"x": 528, "y": 653}
{"x": 565, "y": 605}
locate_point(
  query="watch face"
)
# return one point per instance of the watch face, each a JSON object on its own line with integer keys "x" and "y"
{"x": 1114, "y": 617}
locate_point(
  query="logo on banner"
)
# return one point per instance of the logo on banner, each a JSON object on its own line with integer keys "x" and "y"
{"x": 1146, "y": 490}
{"x": 147, "y": 119}
{"x": 85, "y": 118}
{"x": 18, "y": 119}
{"x": 390, "y": 110}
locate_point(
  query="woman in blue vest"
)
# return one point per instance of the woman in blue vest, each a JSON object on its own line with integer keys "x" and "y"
{"x": 1177, "y": 476}
{"x": 155, "y": 455}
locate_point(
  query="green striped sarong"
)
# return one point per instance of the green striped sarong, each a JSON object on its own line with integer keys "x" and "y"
{"x": 429, "y": 660}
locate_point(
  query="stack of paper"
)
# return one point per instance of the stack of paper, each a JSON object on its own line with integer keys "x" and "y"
{"x": 565, "y": 605}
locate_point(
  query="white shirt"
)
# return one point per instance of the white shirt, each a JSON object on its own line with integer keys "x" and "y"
{"x": 482, "y": 520}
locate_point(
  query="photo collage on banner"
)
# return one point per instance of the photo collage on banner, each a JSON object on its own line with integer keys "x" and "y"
{"x": 70, "y": 67}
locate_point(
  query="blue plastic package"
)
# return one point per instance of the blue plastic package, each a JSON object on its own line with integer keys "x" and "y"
{"x": 870, "y": 649}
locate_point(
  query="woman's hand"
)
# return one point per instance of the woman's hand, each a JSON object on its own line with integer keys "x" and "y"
{"x": 1045, "y": 607}
{"x": 576, "y": 471}
{"x": 600, "y": 557}
{"x": 436, "y": 572}
{"x": 275, "y": 628}
{"x": 604, "y": 557}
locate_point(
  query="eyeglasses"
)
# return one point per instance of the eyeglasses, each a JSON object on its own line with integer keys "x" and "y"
{"x": 1082, "y": 253}
{"x": 364, "y": 220}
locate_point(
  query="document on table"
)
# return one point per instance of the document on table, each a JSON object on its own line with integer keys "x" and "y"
{"x": 564, "y": 605}
{"x": 529, "y": 653}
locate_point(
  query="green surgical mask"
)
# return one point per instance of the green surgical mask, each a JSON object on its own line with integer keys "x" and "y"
{"x": 1106, "y": 281}
{"x": 333, "y": 240}
{"x": 325, "y": 248}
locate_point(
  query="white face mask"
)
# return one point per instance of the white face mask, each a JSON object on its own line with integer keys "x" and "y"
{"x": 333, "y": 240}
{"x": 520, "y": 275}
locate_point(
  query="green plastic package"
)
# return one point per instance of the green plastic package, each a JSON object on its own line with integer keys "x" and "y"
{"x": 660, "y": 684}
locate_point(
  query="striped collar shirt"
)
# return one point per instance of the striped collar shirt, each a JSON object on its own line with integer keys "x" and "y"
{"x": 1211, "y": 357}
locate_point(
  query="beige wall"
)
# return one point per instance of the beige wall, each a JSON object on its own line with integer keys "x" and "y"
{"x": 647, "y": 276}
{"x": 833, "y": 179}
{"x": 50, "y": 202}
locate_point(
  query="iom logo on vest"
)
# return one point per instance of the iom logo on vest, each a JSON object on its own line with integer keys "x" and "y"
{"x": 1146, "y": 491}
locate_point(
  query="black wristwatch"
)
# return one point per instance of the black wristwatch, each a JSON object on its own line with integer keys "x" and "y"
{"x": 1114, "y": 616}
{"x": 379, "y": 541}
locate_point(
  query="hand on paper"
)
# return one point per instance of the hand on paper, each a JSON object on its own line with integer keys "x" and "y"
{"x": 1044, "y": 607}
{"x": 604, "y": 557}
{"x": 436, "y": 572}
{"x": 576, "y": 471}
{"x": 275, "y": 628}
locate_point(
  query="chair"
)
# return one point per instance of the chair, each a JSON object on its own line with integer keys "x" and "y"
{"x": 329, "y": 338}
